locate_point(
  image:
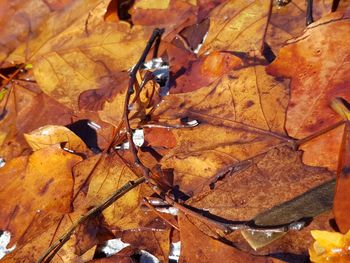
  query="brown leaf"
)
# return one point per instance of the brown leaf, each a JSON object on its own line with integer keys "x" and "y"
{"x": 40, "y": 190}
{"x": 315, "y": 84}
{"x": 109, "y": 174}
{"x": 237, "y": 26}
{"x": 155, "y": 242}
{"x": 19, "y": 20}
{"x": 53, "y": 134}
{"x": 27, "y": 109}
{"x": 81, "y": 51}
{"x": 159, "y": 137}
{"x": 198, "y": 247}
{"x": 271, "y": 179}
{"x": 240, "y": 116}
{"x": 162, "y": 13}
{"x": 205, "y": 71}
{"x": 288, "y": 21}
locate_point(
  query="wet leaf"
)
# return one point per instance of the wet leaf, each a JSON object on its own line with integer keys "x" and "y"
{"x": 315, "y": 84}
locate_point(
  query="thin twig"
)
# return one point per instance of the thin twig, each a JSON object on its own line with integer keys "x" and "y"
{"x": 145, "y": 172}
{"x": 54, "y": 248}
{"x": 132, "y": 79}
{"x": 148, "y": 204}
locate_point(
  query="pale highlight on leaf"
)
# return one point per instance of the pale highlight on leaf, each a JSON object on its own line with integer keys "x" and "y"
{"x": 52, "y": 134}
{"x": 237, "y": 25}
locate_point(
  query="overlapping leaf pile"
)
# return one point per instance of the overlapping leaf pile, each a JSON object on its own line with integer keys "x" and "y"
{"x": 226, "y": 136}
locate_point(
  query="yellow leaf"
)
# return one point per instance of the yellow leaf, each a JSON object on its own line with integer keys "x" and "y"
{"x": 54, "y": 134}
{"x": 330, "y": 247}
{"x": 152, "y": 4}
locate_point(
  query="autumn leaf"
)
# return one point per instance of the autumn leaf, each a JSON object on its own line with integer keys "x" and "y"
{"x": 53, "y": 135}
{"x": 200, "y": 247}
{"x": 315, "y": 84}
{"x": 36, "y": 190}
{"x": 329, "y": 247}
{"x": 240, "y": 115}
{"x": 268, "y": 180}
{"x": 237, "y": 26}
{"x": 189, "y": 134}
{"x": 23, "y": 103}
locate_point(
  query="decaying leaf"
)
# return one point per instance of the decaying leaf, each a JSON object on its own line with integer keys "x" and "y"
{"x": 318, "y": 64}
{"x": 196, "y": 246}
{"x": 269, "y": 180}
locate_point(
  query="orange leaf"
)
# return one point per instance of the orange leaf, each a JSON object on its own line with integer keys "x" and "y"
{"x": 341, "y": 207}
{"x": 35, "y": 190}
{"x": 315, "y": 84}
{"x": 330, "y": 247}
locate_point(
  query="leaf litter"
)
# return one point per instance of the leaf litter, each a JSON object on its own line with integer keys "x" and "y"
{"x": 200, "y": 122}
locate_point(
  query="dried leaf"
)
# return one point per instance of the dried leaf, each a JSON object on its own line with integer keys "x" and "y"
{"x": 52, "y": 134}
{"x": 341, "y": 206}
{"x": 35, "y": 190}
{"x": 240, "y": 115}
{"x": 27, "y": 109}
{"x": 155, "y": 242}
{"x": 271, "y": 179}
{"x": 159, "y": 137}
{"x": 329, "y": 247}
{"x": 315, "y": 84}
{"x": 237, "y": 26}
{"x": 196, "y": 247}
{"x": 81, "y": 51}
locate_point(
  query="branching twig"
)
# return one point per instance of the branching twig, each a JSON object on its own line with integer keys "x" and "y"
{"x": 145, "y": 172}
{"x": 53, "y": 249}
{"x": 132, "y": 79}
